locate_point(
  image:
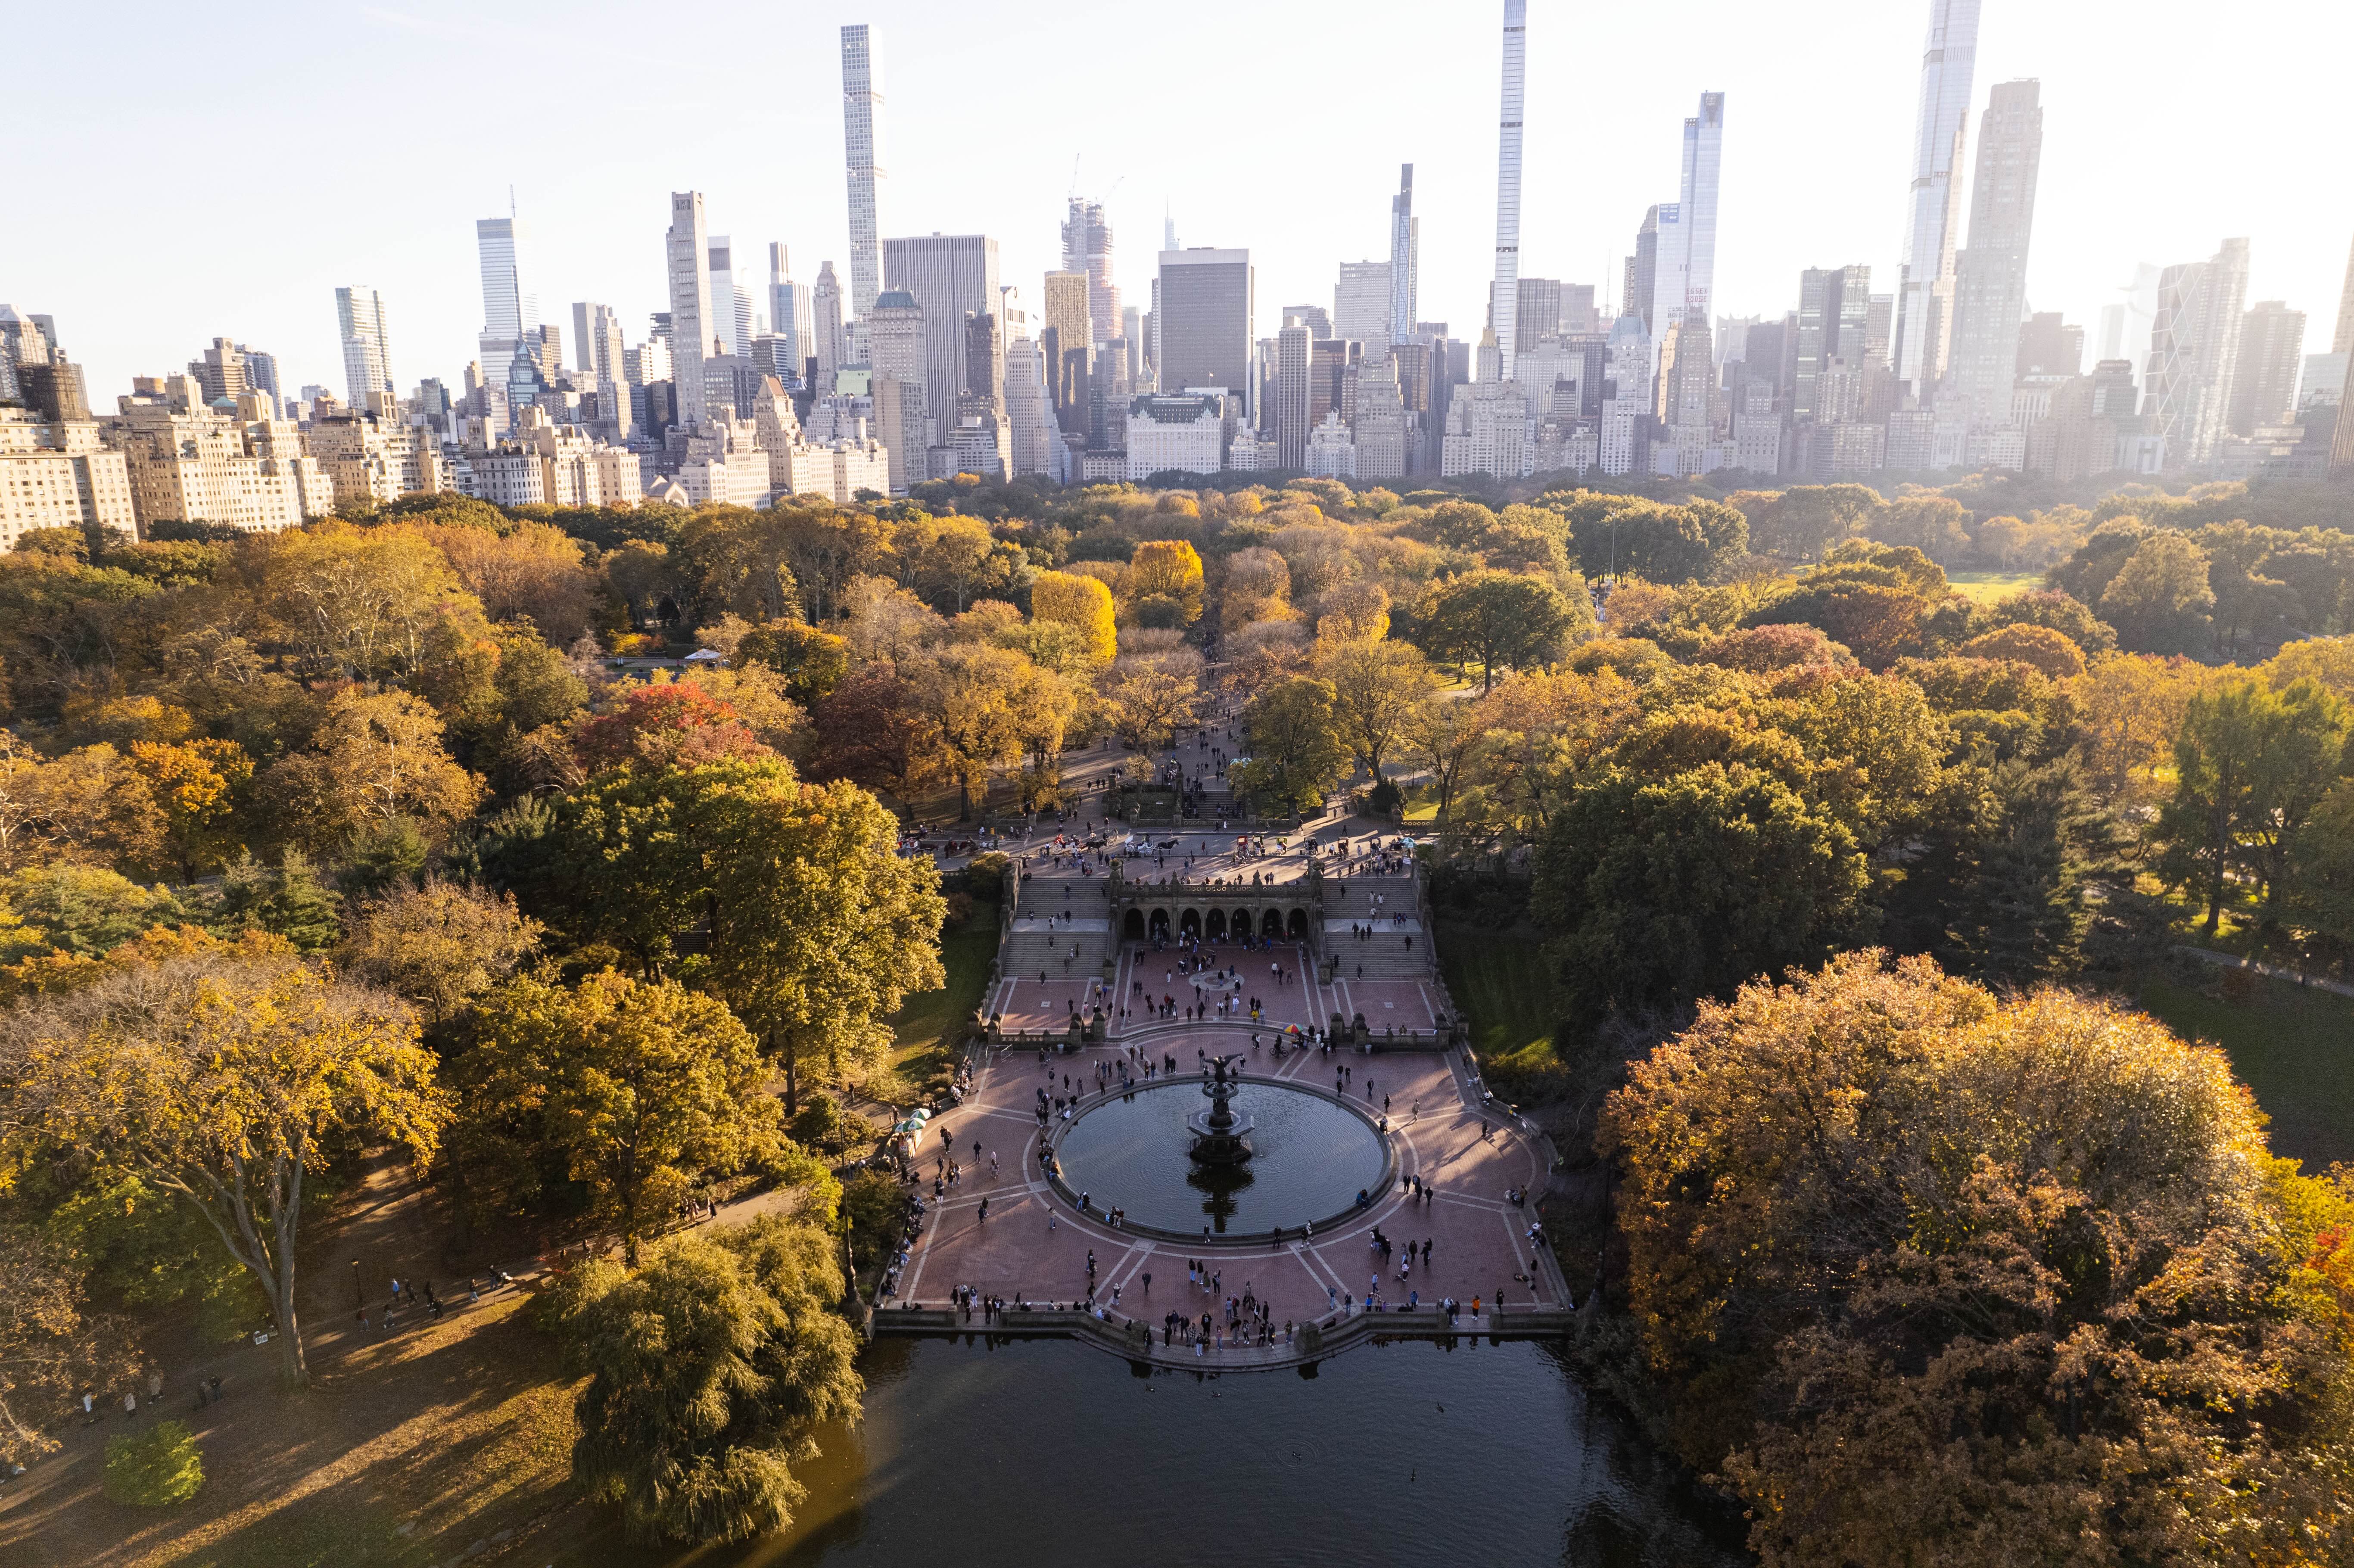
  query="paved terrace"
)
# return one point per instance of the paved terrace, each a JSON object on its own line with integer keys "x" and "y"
{"x": 1479, "y": 1242}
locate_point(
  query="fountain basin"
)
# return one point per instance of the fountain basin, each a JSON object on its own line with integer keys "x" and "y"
{"x": 1310, "y": 1153}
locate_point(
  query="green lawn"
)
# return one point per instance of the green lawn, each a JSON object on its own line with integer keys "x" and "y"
{"x": 2293, "y": 1047}
{"x": 934, "y": 1020}
{"x": 1985, "y": 588}
{"x": 1498, "y": 978}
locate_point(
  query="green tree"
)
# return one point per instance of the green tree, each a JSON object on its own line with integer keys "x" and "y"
{"x": 79, "y": 909}
{"x": 222, "y": 1078}
{"x": 1296, "y": 754}
{"x": 1663, "y": 890}
{"x": 2251, "y": 765}
{"x": 709, "y": 1373}
{"x": 2015, "y": 909}
{"x": 2159, "y": 599}
{"x": 289, "y": 902}
{"x": 637, "y": 1089}
{"x": 154, "y": 1468}
{"x": 1503, "y": 620}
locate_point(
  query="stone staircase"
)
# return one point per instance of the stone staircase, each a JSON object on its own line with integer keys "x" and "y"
{"x": 1350, "y": 900}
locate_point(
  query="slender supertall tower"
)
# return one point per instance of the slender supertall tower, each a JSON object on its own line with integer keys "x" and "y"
{"x": 1504, "y": 296}
{"x": 1403, "y": 234}
{"x": 862, "y": 140}
{"x": 1683, "y": 276}
{"x": 1924, "y": 295}
{"x": 687, "y": 249}
{"x": 1990, "y": 275}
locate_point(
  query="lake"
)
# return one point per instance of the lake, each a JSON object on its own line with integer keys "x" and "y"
{"x": 1041, "y": 1452}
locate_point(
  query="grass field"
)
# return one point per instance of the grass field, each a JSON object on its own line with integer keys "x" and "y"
{"x": 2293, "y": 1047}
{"x": 1985, "y": 587}
{"x": 934, "y": 1020}
{"x": 1499, "y": 979}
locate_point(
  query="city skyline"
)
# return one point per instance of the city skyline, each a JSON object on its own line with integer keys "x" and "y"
{"x": 2169, "y": 194}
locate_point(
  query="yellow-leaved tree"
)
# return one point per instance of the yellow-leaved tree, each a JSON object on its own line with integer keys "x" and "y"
{"x": 219, "y": 1073}
{"x": 1081, "y": 602}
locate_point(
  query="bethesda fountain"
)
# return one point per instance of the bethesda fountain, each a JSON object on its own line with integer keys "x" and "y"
{"x": 1221, "y": 1133}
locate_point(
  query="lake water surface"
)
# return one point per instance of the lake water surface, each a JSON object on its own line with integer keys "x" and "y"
{"x": 1047, "y": 1452}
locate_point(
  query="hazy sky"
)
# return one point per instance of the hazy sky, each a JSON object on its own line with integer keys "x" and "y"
{"x": 181, "y": 172}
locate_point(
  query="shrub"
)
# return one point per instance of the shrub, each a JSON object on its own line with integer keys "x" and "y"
{"x": 154, "y": 1468}
{"x": 821, "y": 1125}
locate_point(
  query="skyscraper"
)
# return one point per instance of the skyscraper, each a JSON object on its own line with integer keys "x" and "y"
{"x": 508, "y": 314}
{"x": 730, "y": 320}
{"x": 862, "y": 141}
{"x": 2271, "y": 357}
{"x": 687, "y": 249}
{"x": 1834, "y": 326}
{"x": 1924, "y": 301}
{"x": 897, "y": 334}
{"x": 1361, "y": 302}
{"x": 1990, "y": 277}
{"x": 1643, "y": 271}
{"x": 2344, "y": 342}
{"x": 1086, "y": 247}
{"x": 1064, "y": 339}
{"x": 367, "y": 361}
{"x": 597, "y": 340}
{"x": 1505, "y": 296}
{"x": 1295, "y": 348}
{"x": 826, "y": 346}
{"x": 2194, "y": 351}
{"x": 1404, "y": 237}
{"x": 1208, "y": 302}
{"x": 950, "y": 276}
{"x": 1683, "y": 265}
{"x": 792, "y": 315}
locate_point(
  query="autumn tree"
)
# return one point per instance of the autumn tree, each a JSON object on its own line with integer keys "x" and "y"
{"x": 813, "y": 663}
{"x": 637, "y": 1089}
{"x": 1150, "y": 694}
{"x": 378, "y": 757}
{"x": 875, "y": 731}
{"x": 1916, "y": 1270}
{"x": 2131, "y": 707}
{"x": 709, "y": 1373}
{"x": 438, "y": 946}
{"x": 1295, "y": 755}
{"x": 53, "y": 1342}
{"x": 221, "y": 1077}
{"x": 364, "y": 604}
{"x": 969, "y": 694}
{"x": 532, "y": 572}
{"x": 677, "y": 725}
{"x": 1442, "y": 739}
{"x": 1083, "y": 603}
{"x": 1164, "y": 583}
{"x": 91, "y": 804}
{"x": 198, "y": 786}
{"x": 1377, "y": 689}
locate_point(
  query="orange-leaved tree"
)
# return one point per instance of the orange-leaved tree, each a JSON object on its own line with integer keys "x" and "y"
{"x": 1929, "y": 1276}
